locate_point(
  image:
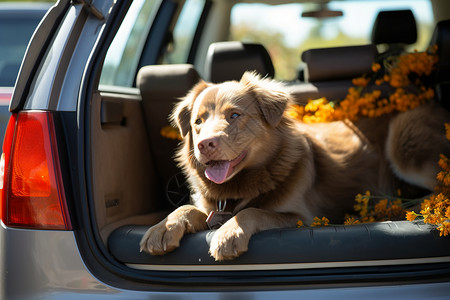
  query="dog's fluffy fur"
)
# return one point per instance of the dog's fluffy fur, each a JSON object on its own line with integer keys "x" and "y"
{"x": 239, "y": 145}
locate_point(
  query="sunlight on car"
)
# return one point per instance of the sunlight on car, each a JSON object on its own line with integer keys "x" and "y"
{"x": 294, "y": 34}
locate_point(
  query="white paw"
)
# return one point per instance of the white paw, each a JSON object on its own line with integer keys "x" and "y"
{"x": 229, "y": 241}
{"x": 162, "y": 238}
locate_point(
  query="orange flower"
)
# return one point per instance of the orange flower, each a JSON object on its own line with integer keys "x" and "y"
{"x": 444, "y": 177}
{"x": 360, "y": 81}
{"x": 320, "y": 222}
{"x": 411, "y": 215}
{"x": 444, "y": 228}
{"x": 351, "y": 221}
{"x": 376, "y": 67}
{"x": 171, "y": 133}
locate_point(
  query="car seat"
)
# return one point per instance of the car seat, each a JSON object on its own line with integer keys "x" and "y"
{"x": 394, "y": 30}
{"x": 329, "y": 71}
{"x": 161, "y": 86}
{"x": 229, "y": 60}
{"x": 441, "y": 38}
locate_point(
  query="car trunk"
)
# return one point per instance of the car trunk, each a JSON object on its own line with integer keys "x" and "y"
{"x": 132, "y": 165}
{"x": 134, "y": 183}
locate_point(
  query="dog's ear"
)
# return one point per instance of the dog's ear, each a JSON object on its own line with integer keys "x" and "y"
{"x": 181, "y": 114}
{"x": 271, "y": 95}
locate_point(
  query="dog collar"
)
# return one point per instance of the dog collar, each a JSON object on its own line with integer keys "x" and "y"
{"x": 218, "y": 217}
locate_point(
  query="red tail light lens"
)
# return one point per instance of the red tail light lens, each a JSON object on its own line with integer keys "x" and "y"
{"x": 32, "y": 190}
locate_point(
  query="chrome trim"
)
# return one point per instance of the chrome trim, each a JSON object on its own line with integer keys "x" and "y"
{"x": 298, "y": 266}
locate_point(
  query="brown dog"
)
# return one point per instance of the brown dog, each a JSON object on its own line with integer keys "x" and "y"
{"x": 240, "y": 148}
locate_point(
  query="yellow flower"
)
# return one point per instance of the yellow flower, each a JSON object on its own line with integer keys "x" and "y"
{"x": 171, "y": 133}
{"x": 299, "y": 223}
{"x": 376, "y": 67}
{"x": 381, "y": 206}
{"x": 379, "y": 81}
{"x": 436, "y": 211}
{"x": 320, "y": 222}
{"x": 296, "y": 111}
{"x": 444, "y": 162}
{"x": 351, "y": 221}
{"x": 360, "y": 81}
{"x": 357, "y": 104}
{"x": 447, "y": 212}
{"x": 318, "y": 110}
{"x": 395, "y": 211}
{"x": 411, "y": 215}
{"x": 367, "y": 219}
{"x": 362, "y": 203}
{"x": 444, "y": 228}
{"x": 444, "y": 177}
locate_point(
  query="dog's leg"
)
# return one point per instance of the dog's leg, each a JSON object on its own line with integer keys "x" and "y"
{"x": 166, "y": 235}
{"x": 231, "y": 240}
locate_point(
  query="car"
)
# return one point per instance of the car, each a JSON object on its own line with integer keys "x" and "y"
{"x": 85, "y": 170}
{"x": 17, "y": 24}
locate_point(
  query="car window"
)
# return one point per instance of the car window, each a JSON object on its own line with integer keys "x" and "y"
{"x": 121, "y": 60}
{"x": 283, "y": 30}
{"x": 15, "y": 33}
{"x": 183, "y": 33}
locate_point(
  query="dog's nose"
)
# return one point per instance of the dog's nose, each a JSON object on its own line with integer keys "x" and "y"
{"x": 208, "y": 144}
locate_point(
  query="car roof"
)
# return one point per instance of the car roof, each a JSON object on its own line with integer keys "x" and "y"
{"x": 23, "y": 9}
{"x": 21, "y": 6}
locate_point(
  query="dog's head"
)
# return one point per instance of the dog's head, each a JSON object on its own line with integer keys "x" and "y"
{"x": 230, "y": 124}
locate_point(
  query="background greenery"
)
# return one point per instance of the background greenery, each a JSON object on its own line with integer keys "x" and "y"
{"x": 286, "y": 58}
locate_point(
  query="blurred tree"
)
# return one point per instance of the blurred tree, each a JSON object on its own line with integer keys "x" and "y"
{"x": 284, "y": 59}
{"x": 287, "y": 60}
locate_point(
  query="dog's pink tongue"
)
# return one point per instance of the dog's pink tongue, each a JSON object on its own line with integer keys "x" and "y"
{"x": 218, "y": 171}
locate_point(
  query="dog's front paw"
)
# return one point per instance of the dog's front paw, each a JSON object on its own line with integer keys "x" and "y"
{"x": 229, "y": 241}
{"x": 162, "y": 238}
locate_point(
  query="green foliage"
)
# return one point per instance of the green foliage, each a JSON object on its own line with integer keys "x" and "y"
{"x": 287, "y": 59}
{"x": 282, "y": 56}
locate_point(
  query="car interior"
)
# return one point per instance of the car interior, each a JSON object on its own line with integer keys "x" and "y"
{"x": 137, "y": 182}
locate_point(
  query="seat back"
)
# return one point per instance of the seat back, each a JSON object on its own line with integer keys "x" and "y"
{"x": 394, "y": 29}
{"x": 338, "y": 63}
{"x": 229, "y": 60}
{"x": 441, "y": 38}
{"x": 161, "y": 86}
{"x": 329, "y": 72}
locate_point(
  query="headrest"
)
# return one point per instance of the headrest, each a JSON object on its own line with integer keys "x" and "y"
{"x": 338, "y": 63}
{"x": 394, "y": 27}
{"x": 166, "y": 81}
{"x": 229, "y": 60}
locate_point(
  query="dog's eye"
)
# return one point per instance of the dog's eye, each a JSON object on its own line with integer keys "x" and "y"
{"x": 234, "y": 115}
{"x": 198, "y": 121}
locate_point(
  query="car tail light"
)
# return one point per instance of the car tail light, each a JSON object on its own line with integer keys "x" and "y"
{"x": 32, "y": 193}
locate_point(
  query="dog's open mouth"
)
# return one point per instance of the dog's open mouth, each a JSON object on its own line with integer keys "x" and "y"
{"x": 218, "y": 171}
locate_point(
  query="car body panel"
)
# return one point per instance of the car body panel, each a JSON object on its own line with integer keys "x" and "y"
{"x": 61, "y": 274}
{"x": 73, "y": 44}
